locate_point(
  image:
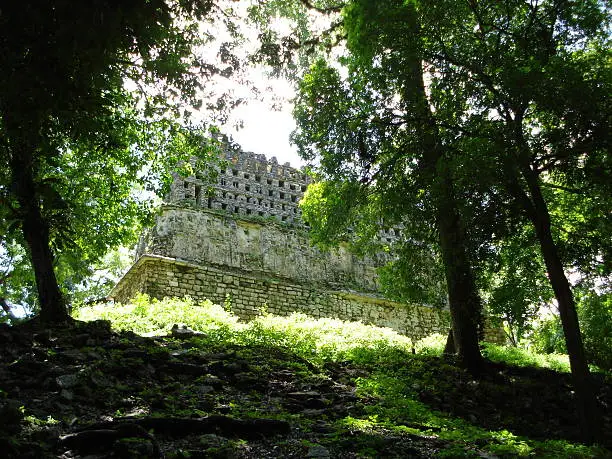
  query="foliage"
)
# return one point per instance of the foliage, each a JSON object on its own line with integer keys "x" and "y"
{"x": 525, "y": 358}
{"x": 517, "y": 356}
{"x": 376, "y": 142}
{"x": 415, "y": 274}
{"x": 17, "y": 278}
{"x": 515, "y": 284}
{"x": 317, "y": 340}
{"x": 547, "y": 337}
{"x": 326, "y": 339}
{"x": 104, "y": 202}
{"x": 315, "y": 28}
{"x": 585, "y": 226}
{"x": 431, "y": 345}
{"x": 90, "y": 102}
{"x": 153, "y": 317}
{"x": 102, "y": 278}
{"x": 390, "y": 378}
{"x": 594, "y": 312}
{"x": 517, "y": 94}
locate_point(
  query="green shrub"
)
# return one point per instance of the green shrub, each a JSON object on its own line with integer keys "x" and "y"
{"x": 317, "y": 340}
{"x": 548, "y": 337}
{"x": 525, "y": 358}
{"x": 595, "y": 318}
{"x": 154, "y": 317}
{"x": 431, "y": 345}
{"x": 595, "y": 313}
{"x": 325, "y": 339}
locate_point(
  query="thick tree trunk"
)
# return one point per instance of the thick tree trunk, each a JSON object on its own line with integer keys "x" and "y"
{"x": 464, "y": 301}
{"x": 588, "y": 410}
{"x": 463, "y": 296}
{"x": 36, "y": 234}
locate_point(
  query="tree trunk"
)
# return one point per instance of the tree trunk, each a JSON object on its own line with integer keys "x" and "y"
{"x": 464, "y": 301}
{"x": 463, "y": 297}
{"x": 7, "y": 310}
{"x": 449, "y": 347}
{"x": 588, "y": 410}
{"x": 36, "y": 234}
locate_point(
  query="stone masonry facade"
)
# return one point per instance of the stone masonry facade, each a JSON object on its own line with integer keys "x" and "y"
{"x": 242, "y": 239}
{"x": 250, "y": 295}
{"x": 248, "y": 186}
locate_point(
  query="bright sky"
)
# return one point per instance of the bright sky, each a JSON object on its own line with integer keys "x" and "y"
{"x": 262, "y": 129}
{"x": 266, "y": 130}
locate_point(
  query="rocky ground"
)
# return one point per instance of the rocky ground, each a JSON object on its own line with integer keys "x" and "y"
{"x": 85, "y": 391}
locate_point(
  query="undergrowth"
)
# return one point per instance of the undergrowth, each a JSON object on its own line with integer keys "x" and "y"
{"x": 319, "y": 341}
{"x": 397, "y": 369}
{"x": 525, "y": 358}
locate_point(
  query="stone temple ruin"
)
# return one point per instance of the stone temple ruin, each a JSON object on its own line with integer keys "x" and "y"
{"x": 242, "y": 241}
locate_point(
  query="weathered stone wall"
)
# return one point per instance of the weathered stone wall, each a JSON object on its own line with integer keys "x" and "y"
{"x": 249, "y": 293}
{"x": 206, "y": 238}
{"x": 247, "y": 185}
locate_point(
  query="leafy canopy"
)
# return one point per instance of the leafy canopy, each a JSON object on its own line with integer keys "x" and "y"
{"x": 91, "y": 100}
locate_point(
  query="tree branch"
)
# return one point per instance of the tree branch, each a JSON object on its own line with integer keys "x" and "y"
{"x": 564, "y": 188}
{"x": 328, "y": 10}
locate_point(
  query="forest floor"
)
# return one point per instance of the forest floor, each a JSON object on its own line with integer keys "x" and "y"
{"x": 90, "y": 391}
